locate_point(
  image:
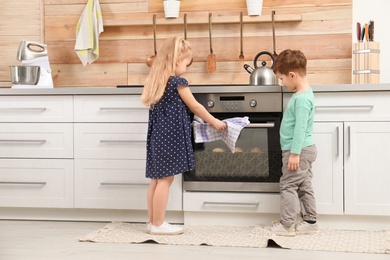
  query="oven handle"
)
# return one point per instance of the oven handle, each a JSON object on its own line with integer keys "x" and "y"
{"x": 261, "y": 125}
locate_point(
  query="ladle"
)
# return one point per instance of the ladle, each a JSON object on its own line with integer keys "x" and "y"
{"x": 241, "y": 57}
{"x": 151, "y": 59}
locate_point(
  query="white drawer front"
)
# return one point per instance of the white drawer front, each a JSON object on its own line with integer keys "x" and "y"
{"x": 231, "y": 202}
{"x": 33, "y": 140}
{"x": 36, "y": 183}
{"x": 350, "y": 106}
{"x": 110, "y": 141}
{"x": 117, "y": 184}
{"x": 105, "y": 108}
{"x": 36, "y": 109}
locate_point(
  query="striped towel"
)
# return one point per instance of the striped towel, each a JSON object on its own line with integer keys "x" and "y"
{"x": 204, "y": 132}
{"x": 88, "y": 29}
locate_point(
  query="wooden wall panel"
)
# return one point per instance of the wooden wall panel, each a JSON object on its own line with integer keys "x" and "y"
{"x": 324, "y": 35}
{"x": 18, "y": 20}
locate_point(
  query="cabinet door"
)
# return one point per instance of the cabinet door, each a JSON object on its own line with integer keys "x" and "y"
{"x": 117, "y": 184}
{"x": 328, "y": 168}
{"x": 110, "y": 140}
{"x": 41, "y": 183}
{"x": 367, "y": 176}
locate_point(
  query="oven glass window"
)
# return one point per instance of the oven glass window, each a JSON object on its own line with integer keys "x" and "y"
{"x": 255, "y": 159}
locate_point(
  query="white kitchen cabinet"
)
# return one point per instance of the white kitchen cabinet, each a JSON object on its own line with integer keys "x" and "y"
{"x": 36, "y": 109}
{"x": 43, "y": 183}
{"x": 328, "y": 167}
{"x": 117, "y": 184}
{"x": 36, "y": 140}
{"x": 110, "y": 154}
{"x": 361, "y": 121}
{"x": 367, "y": 174}
{"x": 110, "y": 140}
{"x": 36, "y": 151}
{"x": 110, "y": 108}
{"x": 232, "y": 202}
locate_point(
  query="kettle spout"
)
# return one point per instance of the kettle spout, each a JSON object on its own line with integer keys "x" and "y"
{"x": 248, "y": 68}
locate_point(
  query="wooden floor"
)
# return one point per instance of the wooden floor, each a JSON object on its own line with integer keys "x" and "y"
{"x": 44, "y": 240}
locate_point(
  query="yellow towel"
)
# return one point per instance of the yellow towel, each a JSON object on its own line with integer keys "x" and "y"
{"x": 89, "y": 27}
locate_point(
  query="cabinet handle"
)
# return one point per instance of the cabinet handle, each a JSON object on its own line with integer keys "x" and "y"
{"x": 337, "y": 141}
{"x": 21, "y": 141}
{"x": 120, "y": 108}
{"x": 23, "y": 182}
{"x": 346, "y": 107}
{"x": 251, "y": 204}
{"x": 261, "y": 125}
{"x": 349, "y": 141}
{"x": 123, "y": 184}
{"x": 121, "y": 141}
{"x": 23, "y": 108}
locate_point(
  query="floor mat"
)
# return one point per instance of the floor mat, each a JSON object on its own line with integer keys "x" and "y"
{"x": 358, "y": 241}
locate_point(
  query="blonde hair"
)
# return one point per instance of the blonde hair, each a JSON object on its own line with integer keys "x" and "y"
{"x": 172, "y": 51}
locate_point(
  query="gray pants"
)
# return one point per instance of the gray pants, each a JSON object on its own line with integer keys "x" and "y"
{"x": 296, "y": 190}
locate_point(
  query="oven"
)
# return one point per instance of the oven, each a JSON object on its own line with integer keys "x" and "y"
{"x": 256, "y": 164}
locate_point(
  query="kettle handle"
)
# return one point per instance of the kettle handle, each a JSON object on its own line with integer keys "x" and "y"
{"x": 261, "y": 53}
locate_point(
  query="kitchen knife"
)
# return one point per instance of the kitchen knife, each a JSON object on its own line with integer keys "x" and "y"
{"x": 371, "y": 28}
{"x": 361, "y": 39}
{"x": 366, "y": 29}
{"x": 359, "y": 32}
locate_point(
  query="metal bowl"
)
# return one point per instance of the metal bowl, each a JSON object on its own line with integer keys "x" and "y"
{"x": 25, "y": 75}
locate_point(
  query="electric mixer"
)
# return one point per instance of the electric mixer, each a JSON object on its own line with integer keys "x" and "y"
{"x": 35, "y": 54}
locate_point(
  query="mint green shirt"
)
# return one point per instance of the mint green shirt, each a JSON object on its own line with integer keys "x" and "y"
{"x": 296, "y": 130}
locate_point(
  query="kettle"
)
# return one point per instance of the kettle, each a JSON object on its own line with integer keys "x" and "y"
{"x": 262, "y": 75}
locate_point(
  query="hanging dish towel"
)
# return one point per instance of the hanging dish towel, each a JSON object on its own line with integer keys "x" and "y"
{"x": 203, "y": 132}
{"x": 88, "y": 29}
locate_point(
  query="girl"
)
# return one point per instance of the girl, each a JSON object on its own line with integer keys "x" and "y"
{"x": 169, "y": 146}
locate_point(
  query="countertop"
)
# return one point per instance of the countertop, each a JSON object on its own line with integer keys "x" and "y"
{"x": 133, "y": 90}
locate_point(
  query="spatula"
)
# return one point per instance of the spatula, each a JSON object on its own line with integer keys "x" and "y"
{"x": 211, "y": 63}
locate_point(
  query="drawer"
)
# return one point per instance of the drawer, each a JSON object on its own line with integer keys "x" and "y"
{"x": 106, "y": 108}
{"x": 36, "y": 109}
{"x": 39, "y": 183}
{"x": 231, "y": 202}
{"x": 110, "y": 141}
{"x": 117, "y": 184}
{"x": 33, "y": 140}
{"x": 350, "y": 106}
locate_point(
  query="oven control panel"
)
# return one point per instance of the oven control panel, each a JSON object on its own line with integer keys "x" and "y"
{"x": 241, "y": 102}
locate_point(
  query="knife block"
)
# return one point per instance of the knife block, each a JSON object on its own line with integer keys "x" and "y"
{"x": 366, "y": 63}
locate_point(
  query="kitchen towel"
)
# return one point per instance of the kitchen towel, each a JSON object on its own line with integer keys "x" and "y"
{"x": 89, "y": 27}
{"x": 203, "y": 132}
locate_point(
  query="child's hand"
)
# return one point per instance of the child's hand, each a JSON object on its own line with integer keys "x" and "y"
{"x": 219, "y": 125}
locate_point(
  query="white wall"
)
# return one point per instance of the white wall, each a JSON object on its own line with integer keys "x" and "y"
{"x": 377, "y": 10}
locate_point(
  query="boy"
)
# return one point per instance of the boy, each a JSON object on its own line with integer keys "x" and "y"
{"x": 298, "y": 148}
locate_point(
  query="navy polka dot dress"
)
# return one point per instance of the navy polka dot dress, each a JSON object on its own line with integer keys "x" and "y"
{"x": 169, "y": 147}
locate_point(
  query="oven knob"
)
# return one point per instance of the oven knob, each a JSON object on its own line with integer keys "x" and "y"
{"x": 210, "y": 103}
{"x": 253, "y": 103}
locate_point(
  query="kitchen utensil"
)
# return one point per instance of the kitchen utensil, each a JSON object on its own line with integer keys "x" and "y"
{"x": 241, "y": 57}
{"x": 34, "y": 70}
{"x": 366, "y": 29}
{"x": 359, "y": 32}
{"x": 185, "y": 26}
{"x": 25, "y": 75}
{"x": 273, "y": 33}
{"x": 185, "y": 35}
{"x": 211, "y": 63}
{"x": 371, "y": 30}
{"x": 262, "y": 75}
{"x": 363, "y": 33}
{"x": 151, "y": 59}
